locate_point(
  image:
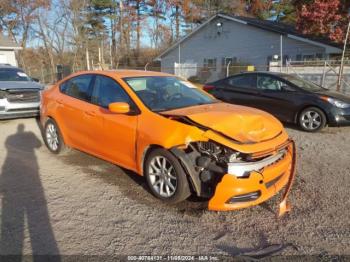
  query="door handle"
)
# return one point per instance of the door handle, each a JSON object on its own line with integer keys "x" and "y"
{"x": 90, "y": 113}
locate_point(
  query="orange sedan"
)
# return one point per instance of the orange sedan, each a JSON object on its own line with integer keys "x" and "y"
{"x": 180, "y": 138}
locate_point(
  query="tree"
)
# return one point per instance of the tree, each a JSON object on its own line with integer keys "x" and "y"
{"x": 17, "y": 17}
{"x": 323, "y": 18}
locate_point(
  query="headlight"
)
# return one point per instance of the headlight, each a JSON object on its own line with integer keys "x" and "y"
{"x": 337, "y": 103}
{"x": 2, "y": 94}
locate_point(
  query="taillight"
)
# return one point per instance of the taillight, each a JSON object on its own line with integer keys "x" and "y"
{"x": 208, "y": 88}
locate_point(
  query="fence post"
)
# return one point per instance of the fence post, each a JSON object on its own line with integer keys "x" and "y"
{"x": 146, "y": 65}
{"x": 228, "y": 69}
{"x": 324, "y": 74}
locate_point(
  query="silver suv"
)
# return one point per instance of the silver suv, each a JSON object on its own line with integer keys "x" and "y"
{"x": 19, "y": 94}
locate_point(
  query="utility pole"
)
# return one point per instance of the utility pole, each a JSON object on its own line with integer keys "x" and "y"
{"x": 341, "y": 69}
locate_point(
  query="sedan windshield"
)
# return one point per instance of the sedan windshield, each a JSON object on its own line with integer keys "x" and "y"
{"x": 160, "y": 93}
{"x": 303, "y": 84}
{"x": 10, "y": 74}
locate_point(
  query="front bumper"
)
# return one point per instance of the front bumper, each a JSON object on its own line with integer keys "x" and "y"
{"x": 13, "y": 110}
{"x": 339, "y": 116}
{"x": 238, "y": 192}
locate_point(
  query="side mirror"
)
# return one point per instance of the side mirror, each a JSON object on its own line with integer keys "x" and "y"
{"x": 35, "y": 79}
{"x": 119, "y": 107}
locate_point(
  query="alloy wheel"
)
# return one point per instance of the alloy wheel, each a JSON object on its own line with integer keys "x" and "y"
{"x": 52, "y": 136}
{"x": 311, "y": 120}
{"x": 162, "y": 176}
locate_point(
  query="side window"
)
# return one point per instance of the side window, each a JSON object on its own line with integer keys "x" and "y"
{"x": 244, "y": 81}
{"x": 269, "y": 83}
{"x": 106, "y": 91}
{"x": 78, "y": 87}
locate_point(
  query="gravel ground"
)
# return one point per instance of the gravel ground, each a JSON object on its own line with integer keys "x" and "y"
{"x": 78, "y": 204}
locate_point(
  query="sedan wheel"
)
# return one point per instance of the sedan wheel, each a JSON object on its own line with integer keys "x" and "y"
{"x": 312, "y": 119}
{"x": 52, "y": 136}
{"x": 162, "y": 176}
{"x": 166, "y": 177}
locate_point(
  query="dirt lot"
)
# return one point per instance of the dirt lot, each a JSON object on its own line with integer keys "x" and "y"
{"x": 77, "y": 204}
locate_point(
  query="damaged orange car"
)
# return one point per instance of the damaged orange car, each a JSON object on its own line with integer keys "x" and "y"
{"x": 180, "y": 138}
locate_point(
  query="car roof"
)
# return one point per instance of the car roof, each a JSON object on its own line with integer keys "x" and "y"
{"x": 125, "y": 73}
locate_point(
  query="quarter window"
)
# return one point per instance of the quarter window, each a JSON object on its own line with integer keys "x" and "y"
{"x": 78, "y": 87}
{"x": 107, "y": 91}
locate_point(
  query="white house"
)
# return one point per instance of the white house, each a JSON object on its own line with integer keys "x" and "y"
{"x": 7, "y": 51}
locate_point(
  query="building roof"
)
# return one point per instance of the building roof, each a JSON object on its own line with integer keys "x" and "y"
{"x": 271, "y": 26}
{"x": 7, "y": 43}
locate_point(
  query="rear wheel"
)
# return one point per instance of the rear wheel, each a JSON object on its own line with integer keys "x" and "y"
{"x": 53, "y": 138}
{"x": 166, "y": 177}
{"x": 312, "y": 119}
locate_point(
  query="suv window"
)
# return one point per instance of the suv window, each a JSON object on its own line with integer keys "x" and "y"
{"x": 245, "y": 81}
{"x": 78, "y": 87}
{"x": 269, "y": 83}
{"x": 106, "y": 91}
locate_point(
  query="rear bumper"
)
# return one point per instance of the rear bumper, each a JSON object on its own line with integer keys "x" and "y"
{"x": 14, "y": 110}
{"x": 234, "y": 193}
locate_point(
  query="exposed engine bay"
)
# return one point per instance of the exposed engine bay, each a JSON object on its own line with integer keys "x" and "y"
{"x": 211, "y": 161}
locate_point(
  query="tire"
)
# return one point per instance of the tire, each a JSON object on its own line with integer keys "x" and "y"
{"x": 312, "y": 119}
{"x": 53, "y": 137}
{"x": 171, "y": 186}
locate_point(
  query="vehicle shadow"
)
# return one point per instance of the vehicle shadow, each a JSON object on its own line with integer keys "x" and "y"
{"x": 23, "y": 202}
{"x": 132, "y": 185}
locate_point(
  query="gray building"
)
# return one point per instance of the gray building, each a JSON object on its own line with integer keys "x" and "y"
{"x": 225, "y": 39}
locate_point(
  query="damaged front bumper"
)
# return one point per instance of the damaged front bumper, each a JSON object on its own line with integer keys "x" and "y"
{"x": 249, "y": 185}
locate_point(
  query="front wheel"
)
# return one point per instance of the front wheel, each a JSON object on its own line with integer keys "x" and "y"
{"x": 166, "y": 177}
{"x": 312, "y": 119}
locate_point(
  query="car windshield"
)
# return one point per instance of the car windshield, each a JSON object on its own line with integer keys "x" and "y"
{"x": 10, "y": 74}
{"x": 161, "y": 93}
{"x": 304, "y": 84}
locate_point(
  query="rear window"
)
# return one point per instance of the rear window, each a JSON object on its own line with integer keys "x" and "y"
{"x": 10, "y": 74}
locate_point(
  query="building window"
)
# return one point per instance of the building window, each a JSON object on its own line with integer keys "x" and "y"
{"x": 319, "y": 56}
{"x": 299, "y": 57}
{"x": 210, "y": 63}
{"x": 226, "y": 60}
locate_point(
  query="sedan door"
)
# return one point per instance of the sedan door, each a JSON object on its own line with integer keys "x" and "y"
{"x": 240, "y": 89}
{"x": 277, "y": 97}
{"x": 114, "y": 134}
{"x": 73, "y": 109}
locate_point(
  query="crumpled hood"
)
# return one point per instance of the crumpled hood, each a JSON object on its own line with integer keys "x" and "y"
{"x": 244, "y": 124}
{"x": 6, "y": 85}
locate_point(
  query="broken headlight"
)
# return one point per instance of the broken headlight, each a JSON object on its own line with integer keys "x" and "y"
{"x": 218, "y": 152}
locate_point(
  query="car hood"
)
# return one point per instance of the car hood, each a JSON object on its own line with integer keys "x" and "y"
{"x": 335, "y": 95}
{"x": 240, "y": 123}
{"x": 7, "y": 85}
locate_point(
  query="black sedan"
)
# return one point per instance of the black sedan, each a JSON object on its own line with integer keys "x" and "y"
{"x": 289, "y": 98}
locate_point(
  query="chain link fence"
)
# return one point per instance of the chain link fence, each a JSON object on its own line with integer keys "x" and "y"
{"x": 322, "y": 72}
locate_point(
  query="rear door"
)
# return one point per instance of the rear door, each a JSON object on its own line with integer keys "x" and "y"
{"x": 73, "y": 108}
{"x": 277, "y": 97}
{"x": 240, "y": 89}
